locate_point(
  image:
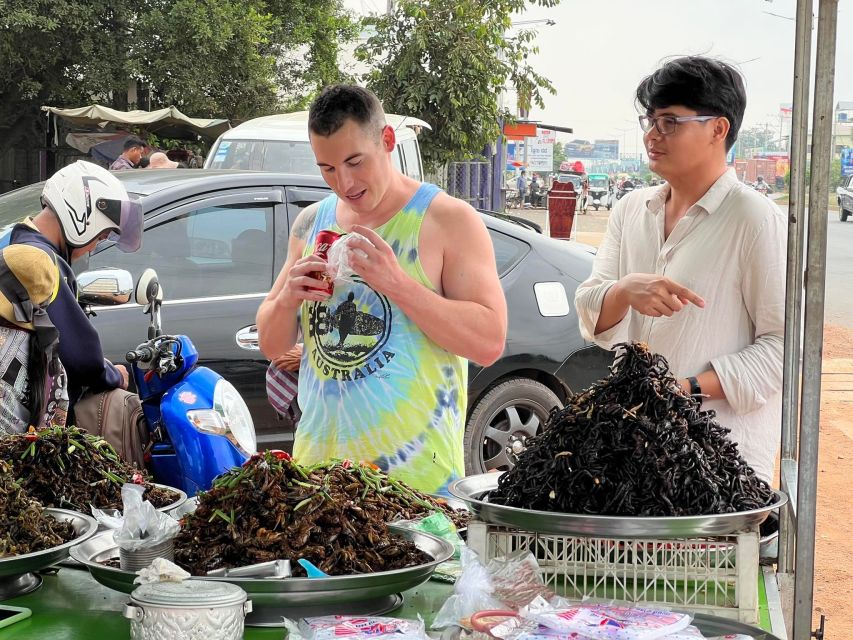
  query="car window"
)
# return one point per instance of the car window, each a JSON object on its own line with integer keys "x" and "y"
{"x": 211, "y": 251}
{"x": 290, "y": 157}
{"x": 508, "y": 251}
{"x": 409, "y": 149}
{"x": 20, "y": 203}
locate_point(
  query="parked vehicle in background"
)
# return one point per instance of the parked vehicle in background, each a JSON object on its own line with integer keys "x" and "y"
{"x": 844, "y": 195}
{"x": 219, "y": 239}
{"x": 600, "y": 193}
{"x": 579, "y": 182}
{"x": 280, "y": 143}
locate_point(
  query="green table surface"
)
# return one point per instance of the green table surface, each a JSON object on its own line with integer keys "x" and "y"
{"x": 71, "y": 605}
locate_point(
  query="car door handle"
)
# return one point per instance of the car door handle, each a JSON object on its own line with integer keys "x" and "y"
{"x": 247, "y": 338}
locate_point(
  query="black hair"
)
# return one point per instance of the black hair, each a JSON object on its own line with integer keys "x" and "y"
{"x": 341, "y": 102}
{"x": 707, "y": 86}
{"x": 132, "y": 142}
{"x": 144, "y": 161}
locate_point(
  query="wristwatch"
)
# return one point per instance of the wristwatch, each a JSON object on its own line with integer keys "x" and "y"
{"x": 695, "y": 389}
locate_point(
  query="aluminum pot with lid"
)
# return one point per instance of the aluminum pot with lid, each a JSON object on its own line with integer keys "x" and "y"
{"x": 193, "y": 609}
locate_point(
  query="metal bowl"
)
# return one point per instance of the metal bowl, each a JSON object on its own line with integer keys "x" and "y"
{"x": 474, "y": 491}
{"x": 16, "y": 577}
{"x": 170, "y": 508}
{"x": 273, "y": 598}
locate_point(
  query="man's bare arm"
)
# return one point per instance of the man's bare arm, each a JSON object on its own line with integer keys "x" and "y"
{"x": 276, "y": 317}
{"x": 470, "y": 318}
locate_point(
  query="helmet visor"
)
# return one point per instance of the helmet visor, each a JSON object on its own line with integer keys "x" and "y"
{"x": 132, "y": 225}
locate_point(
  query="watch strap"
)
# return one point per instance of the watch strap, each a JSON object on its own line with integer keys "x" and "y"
{"x": 695, "y": 389}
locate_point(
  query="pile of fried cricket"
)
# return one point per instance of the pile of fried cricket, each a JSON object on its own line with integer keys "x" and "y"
{"x": 68, "y": 468}
{"x": 24, "y": 525}
{"x": 334, "y": 514}
{"x": 633, "y": 444}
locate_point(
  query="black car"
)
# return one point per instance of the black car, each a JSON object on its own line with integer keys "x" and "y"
{"x": 219, "y": 238}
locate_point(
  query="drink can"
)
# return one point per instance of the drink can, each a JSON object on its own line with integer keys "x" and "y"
{"x": 325, "y": 240}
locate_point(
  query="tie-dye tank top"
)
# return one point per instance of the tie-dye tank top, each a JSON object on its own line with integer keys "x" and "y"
{"x": 372, "y": 385}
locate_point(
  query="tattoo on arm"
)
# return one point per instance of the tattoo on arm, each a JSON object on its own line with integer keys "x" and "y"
{"x": 305, "y": 221}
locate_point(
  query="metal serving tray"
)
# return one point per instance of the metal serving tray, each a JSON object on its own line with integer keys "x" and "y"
{"x": 16, "y": 577}
{"x": 474, "y": 491}
{"x": 273, "y": 598}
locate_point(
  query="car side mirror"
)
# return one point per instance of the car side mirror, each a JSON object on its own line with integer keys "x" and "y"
{"x": 105, "y": 287}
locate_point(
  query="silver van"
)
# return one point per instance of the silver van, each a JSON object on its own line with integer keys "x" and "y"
{"x": 280, "y": 143}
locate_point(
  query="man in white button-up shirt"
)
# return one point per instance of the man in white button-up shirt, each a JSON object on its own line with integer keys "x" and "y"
{"x": 696, "y": 268}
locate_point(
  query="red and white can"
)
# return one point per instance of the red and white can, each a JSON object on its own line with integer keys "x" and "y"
{"x": 324, "y": 241}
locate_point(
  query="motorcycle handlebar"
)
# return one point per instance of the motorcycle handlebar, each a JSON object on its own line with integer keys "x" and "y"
{"x": 142, "y": 354}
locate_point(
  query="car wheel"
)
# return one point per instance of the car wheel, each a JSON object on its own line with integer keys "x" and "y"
{"x": 843, "y": 214}
{"x": 501, "y": 422}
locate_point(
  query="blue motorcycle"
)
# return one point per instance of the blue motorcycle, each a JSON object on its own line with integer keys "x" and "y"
{"x": 200, "y": 425}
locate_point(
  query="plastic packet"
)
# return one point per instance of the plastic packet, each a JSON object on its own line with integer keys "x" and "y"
{"x": 607, "y": 621}
{"x": 439, "y": 525}
{"x": 471, "y": 593}
{"x": 338, "y": 259}
{"x": 142, "y": 525}
{"x": 361, "y": 628}
{"x": 517, "y": 580}
{"x": 161, "y": 570}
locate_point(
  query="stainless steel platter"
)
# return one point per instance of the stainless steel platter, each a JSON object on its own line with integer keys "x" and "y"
{"x": 16, "y": 577}
{"x": 182, "y": 498}
{"x": 273, "y": 598}
{"x": 474, "y": 491}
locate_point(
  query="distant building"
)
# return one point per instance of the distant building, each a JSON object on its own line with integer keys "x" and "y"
{"x": 842, "y": 128}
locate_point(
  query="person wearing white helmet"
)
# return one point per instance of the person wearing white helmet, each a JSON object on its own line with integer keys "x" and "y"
{"x": 83, "y": 204}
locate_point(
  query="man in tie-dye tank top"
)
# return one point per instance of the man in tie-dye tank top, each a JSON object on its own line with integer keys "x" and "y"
{"x": 384, "y": 371}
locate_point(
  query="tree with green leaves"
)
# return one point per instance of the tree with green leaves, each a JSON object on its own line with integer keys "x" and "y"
{"x": 559, "y": 155}
{"x": 447, "y": 62}
{"x": 211, "y": 58}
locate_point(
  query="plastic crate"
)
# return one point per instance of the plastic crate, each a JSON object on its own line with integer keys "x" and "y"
{"x": 718, "y": 576}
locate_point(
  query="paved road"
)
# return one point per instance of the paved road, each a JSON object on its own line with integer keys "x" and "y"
{"x": 839, "y": 272}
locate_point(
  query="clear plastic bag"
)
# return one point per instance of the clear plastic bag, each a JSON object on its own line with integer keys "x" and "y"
{"x": 142, "y": 525}
{"x": 339, "y": 262}
{"x": 471, "y": 593}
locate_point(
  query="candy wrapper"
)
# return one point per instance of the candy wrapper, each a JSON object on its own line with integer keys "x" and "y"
{"x": 361, "y": 628}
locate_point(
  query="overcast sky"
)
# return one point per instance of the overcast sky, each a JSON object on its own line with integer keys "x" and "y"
{"x": 598, "y": 52}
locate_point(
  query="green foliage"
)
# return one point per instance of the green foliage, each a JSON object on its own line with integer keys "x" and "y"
{"x": 224, "y": 58}
{"x": 447, "y": 61}
{"x": 559, "y": 155}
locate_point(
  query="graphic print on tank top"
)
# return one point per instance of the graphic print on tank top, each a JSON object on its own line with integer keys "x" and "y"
{"x": 351, "y": 335}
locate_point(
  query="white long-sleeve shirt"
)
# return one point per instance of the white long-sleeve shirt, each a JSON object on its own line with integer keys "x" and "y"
{"x": 730, "y": 248}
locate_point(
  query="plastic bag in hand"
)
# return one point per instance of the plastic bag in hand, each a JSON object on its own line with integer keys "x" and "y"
{"x": 339, "y": 258}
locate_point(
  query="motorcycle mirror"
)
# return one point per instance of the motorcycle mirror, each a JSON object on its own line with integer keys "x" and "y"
{"x": 148, "y": 288}
{"x": 105, "y": 287}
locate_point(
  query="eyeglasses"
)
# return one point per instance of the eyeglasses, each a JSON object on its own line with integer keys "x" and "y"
{"x": 666, "y": 125}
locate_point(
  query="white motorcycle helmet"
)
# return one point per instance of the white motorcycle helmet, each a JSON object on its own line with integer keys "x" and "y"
{"x": 88, "y": 200}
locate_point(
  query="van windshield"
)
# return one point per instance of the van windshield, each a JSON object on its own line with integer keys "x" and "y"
{"x": 266, "y": 155}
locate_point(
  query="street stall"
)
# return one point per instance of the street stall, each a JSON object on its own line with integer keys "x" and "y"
{"x": 99, "y": 131}
{"x": 647, "y": 524}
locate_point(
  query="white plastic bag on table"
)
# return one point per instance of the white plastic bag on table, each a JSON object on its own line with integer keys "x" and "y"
{"x": 142, "y": 526}
{"x": 471, "y": 593}
{"x": 361, "y": 628}
{"x": 339, "y": 258}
